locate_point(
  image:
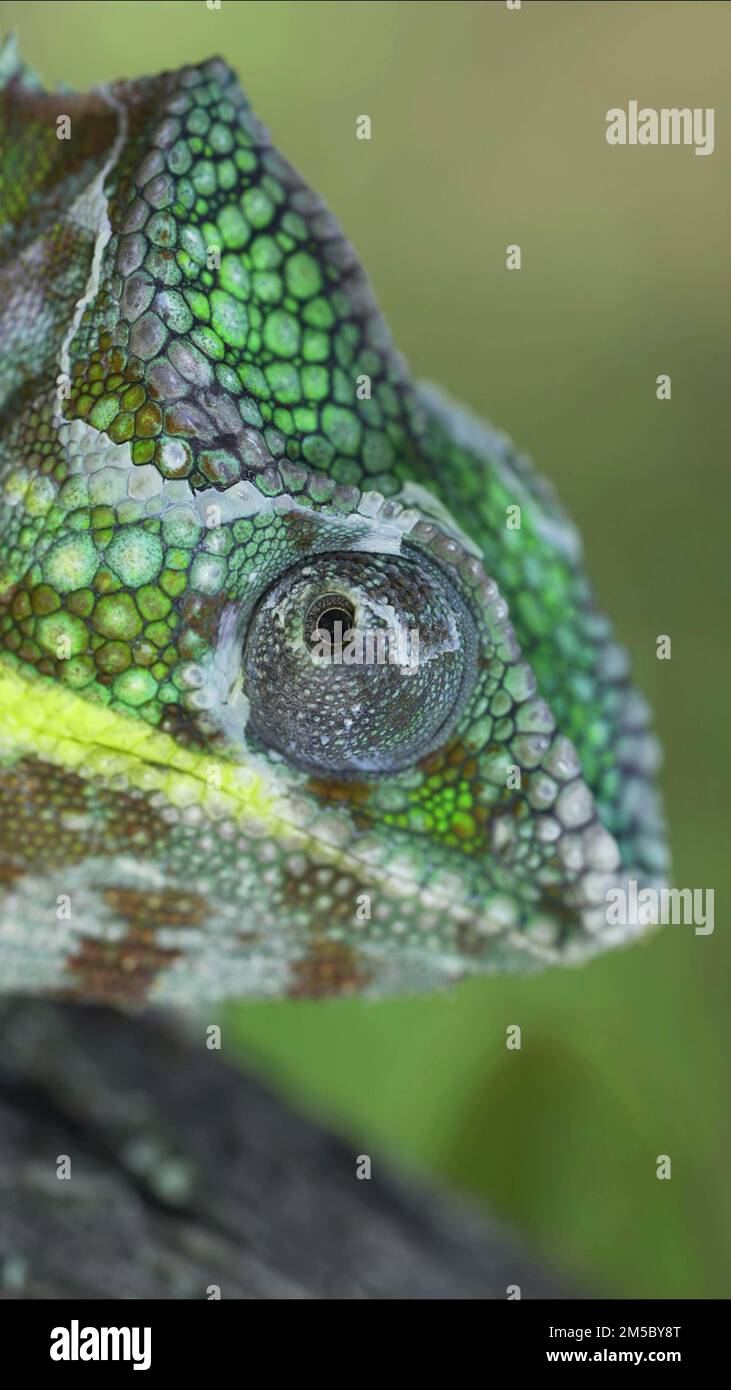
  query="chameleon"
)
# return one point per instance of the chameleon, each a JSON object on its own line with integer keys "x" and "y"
{"x": 216, "y": 470}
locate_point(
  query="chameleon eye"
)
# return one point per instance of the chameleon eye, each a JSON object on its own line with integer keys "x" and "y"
{"x": 358, "y": 663}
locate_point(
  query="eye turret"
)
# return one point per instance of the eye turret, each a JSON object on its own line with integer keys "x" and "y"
{"x": 357, "y": 664}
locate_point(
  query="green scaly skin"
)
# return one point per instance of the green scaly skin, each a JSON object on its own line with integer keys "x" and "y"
{"x": 204, "y": 428}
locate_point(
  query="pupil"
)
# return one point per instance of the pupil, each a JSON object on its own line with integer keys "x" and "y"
{"x": 330, "y": 616}
{"x": 327, "y": 621}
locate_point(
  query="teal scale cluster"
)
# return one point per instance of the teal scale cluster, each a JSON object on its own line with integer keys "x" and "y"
{"x": 118, "y": 610}
{"x": 217, "y": 372}
{"x": 581, "y": 671}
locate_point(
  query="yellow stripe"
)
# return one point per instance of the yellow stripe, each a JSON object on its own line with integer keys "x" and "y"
{"x": 44, "y": 719}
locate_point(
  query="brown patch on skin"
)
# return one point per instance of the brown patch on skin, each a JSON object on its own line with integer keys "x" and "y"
{"x": 449, "y": 761}
{"x": 51, "y": 816}
{"x": 180, "y": 724}
{"x": 10, "y": 873}
{"x": 117, "y": 972}
{"x": 329, "y": 970}
{"x": 334, "y": 792}
{"x": 152, "y": 910}
{"x": 122, "y": 972}
{"x": 304, "y": 532}
{"x": 30, "y": 793}
{"x": 201, "y": 612}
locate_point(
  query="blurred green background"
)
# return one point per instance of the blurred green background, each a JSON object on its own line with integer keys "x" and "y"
{"x": 488, "y": 129}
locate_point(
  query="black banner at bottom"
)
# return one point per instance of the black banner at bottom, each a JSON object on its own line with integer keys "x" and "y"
{"x": 197, "y": 1338}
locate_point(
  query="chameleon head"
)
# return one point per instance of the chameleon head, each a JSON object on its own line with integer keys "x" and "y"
{"x": 303, "y": 687}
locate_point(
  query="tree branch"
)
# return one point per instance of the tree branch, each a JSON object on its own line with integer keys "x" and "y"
{"x": 187, "y": 1174}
